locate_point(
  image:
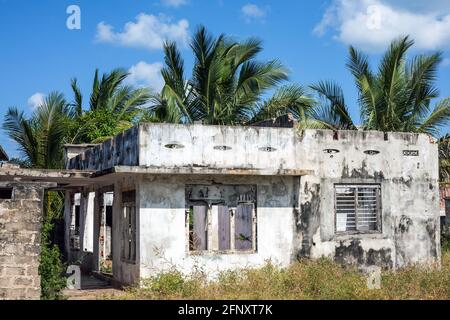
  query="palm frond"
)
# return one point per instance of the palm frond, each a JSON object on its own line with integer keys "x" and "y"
{"x": 23, "y": 133}
{"x": 290, "y": 99}
{"x": 437, "y": 119}
{"x": 78, "y": 97}
{"x": 333, "y": 111}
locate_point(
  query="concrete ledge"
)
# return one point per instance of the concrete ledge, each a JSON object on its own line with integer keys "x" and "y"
{"x": 200, "y": 170}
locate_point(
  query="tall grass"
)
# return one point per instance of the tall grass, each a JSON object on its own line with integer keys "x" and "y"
{"x": 320, "y": 279}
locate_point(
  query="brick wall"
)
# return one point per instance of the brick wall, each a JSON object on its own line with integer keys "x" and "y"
{"x": 20, "y": 225}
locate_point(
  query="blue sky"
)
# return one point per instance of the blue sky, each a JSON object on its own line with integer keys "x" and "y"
{"x": 39, "y": 54}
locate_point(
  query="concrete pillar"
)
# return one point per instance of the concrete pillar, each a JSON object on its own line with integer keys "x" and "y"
{"x": 88, "y": 223}
{"x": 116, "y": 230}
{"x": 98, "y": 203}
{"x": 67, "y": 221}
{"x": 83, "y": 206}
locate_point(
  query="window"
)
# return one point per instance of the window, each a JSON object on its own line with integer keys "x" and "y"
{"x": 221, "y": 218}
{"x": 358, "y": 208}
{"x": 6, "y": 193}
{"x": 129, "y": 226}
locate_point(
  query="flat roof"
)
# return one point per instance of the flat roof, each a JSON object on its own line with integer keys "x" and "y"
{"x": 193, "y": 170}
{"x": 59, "y": 177}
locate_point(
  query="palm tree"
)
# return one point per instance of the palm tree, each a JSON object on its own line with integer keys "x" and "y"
{"x": 227, "y": 84}
{"x": 395, "y": 98}
{"x": 41, "y": 137}
{"x": 113, "y": 107}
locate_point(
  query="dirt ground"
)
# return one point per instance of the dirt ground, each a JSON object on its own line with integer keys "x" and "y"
{"x": 93, "y": 294}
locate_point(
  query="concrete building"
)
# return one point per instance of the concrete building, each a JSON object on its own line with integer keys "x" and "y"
{"x": 222, "y": 197}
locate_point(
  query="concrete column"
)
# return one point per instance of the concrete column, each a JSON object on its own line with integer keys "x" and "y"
{"x": 83, "y": 208}
{"x": 116, "y": 230}
{"x": 96, "y": 230}
{"x": 88, "y": 236}
{"x": 67, "y": 222}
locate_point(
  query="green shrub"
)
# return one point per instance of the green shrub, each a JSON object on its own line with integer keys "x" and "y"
{"x": 445, "y": 239}
{"x": 51, "y": 268}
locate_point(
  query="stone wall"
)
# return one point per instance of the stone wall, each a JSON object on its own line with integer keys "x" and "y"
{"x": 20, "y": 225}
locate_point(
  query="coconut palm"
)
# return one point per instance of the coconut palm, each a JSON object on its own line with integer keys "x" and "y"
{"x": 397, "y": 97}
{"x": 41, "y": 137}
{"x": 113, "y": 107}
{"x": 227, "y": 84}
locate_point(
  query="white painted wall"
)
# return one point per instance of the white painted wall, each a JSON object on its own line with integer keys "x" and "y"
{"x": 163, "y": 239}
{"x": 88, "y": 225}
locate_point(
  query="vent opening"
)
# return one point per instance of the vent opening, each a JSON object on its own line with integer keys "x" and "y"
{"x": 267, "y": 149}
{"x": 6, "y": 193}
{"x": 222, "y": 148}
{"x": 174, "y": 145}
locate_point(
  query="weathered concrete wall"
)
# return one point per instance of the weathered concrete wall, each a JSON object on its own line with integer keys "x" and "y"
{"x": 410, "y": 198}
{"x": 163, "y": 234}
{"x": 172, "y": 146}
{"x": 120, "y": 150}
{"x": 20, "y": 225}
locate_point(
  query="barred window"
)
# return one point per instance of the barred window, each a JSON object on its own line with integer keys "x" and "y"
{"x": 358, "y": 208}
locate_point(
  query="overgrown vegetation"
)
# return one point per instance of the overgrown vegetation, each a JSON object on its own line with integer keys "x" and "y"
{"x": 445, "y": 238}
{"x": 51, "y": 268}
{"x": 320, "y": 279}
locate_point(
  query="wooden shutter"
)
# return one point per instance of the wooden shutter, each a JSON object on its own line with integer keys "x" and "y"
{"x": 224, "y": 228}
{"x": 199, "y": 227}
{"x": 244, "y": 227}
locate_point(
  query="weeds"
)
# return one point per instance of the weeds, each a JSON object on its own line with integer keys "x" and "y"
{"x": 320, "y": 279}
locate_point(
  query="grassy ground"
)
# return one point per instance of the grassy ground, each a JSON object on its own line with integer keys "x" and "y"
{"x": 320, "y": 279}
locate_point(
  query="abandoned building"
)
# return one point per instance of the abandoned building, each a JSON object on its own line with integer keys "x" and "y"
{"x": 222, "y": 197}
{"x": 160, "y": 196}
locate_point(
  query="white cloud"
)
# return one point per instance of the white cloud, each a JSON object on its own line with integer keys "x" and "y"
{"x": 173, "y": 3}
{"x": 373, "y": 24}
{"x": 36, "y": 100}
{"x": 253, "y": 12}
{"x": 149, "y": 32}
{"x": 145, "y": 74}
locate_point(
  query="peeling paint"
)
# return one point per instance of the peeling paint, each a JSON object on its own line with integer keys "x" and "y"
{"x": 308, "y": 222}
